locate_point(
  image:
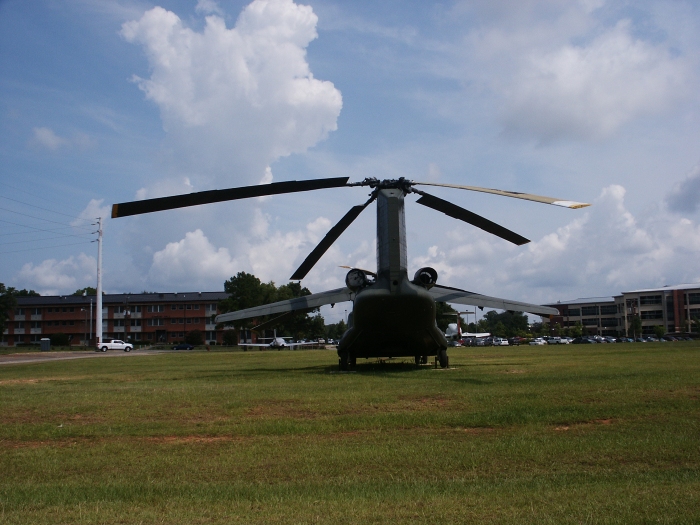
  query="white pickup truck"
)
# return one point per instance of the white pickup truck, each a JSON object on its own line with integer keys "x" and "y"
{"x": 114, "y": 344}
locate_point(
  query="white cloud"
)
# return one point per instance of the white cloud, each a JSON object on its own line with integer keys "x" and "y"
{"x": 589, "y": 91}
{"x": 208, "y": 7}
{"x": 603, "y": 251}
{"x": 234, "y": 100}
{"x": 165, "y": 188}
{"x": 191, "y": 262}
{"x": 685, "y": 197}
{"x": 47, "y": 138}
{"x": 92, "y": 211}
{"x": 52, "y": 277}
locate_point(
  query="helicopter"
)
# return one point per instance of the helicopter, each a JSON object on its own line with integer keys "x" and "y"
{"x": 393, "y": 315}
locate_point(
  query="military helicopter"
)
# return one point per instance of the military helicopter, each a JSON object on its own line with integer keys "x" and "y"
{"x": 392, "y": 316}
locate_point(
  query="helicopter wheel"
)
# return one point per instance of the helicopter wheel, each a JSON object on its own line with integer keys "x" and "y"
{"x": 442, "y": 357}
{"x": 424, "y": 360}
{"x": 419, "y": 360}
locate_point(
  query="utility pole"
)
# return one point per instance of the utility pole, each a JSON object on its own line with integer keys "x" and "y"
{"x": 98, "y": 328}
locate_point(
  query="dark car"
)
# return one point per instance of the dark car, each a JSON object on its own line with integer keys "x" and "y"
{"x": 183, "y": 346}
{"x": 515, "y": 341}
{"x": 583, "y": 341}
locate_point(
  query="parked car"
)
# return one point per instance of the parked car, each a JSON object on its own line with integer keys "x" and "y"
{"x": 499, "y": 341}
{"x": 566, "y": 340}
{"x": 183, "y": 346}
{"x": 538, "y": 341}
{"x": 515, "y": 341}
{"x": 583, "y": 341}
{"x": 114, "y": 344}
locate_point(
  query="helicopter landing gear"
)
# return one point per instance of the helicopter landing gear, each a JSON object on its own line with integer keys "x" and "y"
{"x": 421, "y": 360}
{"x": 443, "y": 359}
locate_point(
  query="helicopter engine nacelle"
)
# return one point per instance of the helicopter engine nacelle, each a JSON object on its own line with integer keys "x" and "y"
{"x": 356, "y": 279}
{"x": 425, "y": 277}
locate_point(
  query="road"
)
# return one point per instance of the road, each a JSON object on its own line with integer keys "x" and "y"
{"x": 42, "y": 357}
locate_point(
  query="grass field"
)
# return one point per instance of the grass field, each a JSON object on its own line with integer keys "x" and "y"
{"x": 565, "y": 434}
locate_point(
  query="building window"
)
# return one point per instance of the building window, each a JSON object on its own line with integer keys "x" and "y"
{"x": 189, "y": 307}
{"x": 19, "y": 311}
{"x": 590, "y": 322}
{"x": 589, "y": 310}
{"x": 36, "y": 324}
{"x": 649, "y": 299}
{"x": 195, "y": 307}
{"x": 608, "y": 321}
{"x": 119, "y": 322}
{"x": 19, "y": 325}
{"x": 173, "y": 307}
{"x": 156, "y": 322}
{"x": 608, "y": 309}
{"x": 136, "y": 322}
{"x": 694, "y": 298}
{"x": 154, "y": 308}
{"x": 652, "y": 314}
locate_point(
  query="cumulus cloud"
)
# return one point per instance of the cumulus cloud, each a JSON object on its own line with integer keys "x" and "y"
{"x": 92, "y": 211}
{"x": 589, "y": 91}
{"x": 194, "y": 261}
{"x": 234, "y": 100}
{"x": 53, "y": 277}
{"x": 47, "y": 138}
{"x": 685, "y": 197}
{"x": 191, "y": 261}
{"x": 603, "y": 251}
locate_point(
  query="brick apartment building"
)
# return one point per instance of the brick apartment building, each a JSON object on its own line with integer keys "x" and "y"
{"x": 672, "y": 307}
{"x": 141, "y": 318}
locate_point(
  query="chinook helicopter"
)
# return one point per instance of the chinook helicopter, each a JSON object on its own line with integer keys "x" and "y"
{"x": 393, "y": 315}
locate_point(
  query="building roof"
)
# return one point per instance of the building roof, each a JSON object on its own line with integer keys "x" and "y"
{"x": 691, "y": 286}
{"x": 585, "y": 300}
{"x": 131, "y": 298}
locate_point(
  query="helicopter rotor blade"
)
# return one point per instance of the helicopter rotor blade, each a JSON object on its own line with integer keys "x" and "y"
{"x": 335, "y": 232}
{"x": 125, "y": 209}
{"x": 526, "y": 196}
{"x": 472, "y": 218}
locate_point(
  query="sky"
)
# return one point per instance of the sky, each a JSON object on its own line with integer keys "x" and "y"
{"x": 107, "y": 101}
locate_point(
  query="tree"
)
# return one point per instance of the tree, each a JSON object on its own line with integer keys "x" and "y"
{"x": 194, "y": 337}
{"x": 659, "y": 331}
{"x": 336, "y": 331}
{"x": 60, "y": 339}
{"x": 230, "y": 338}
{"x": 505, "y": 324}
{"x": 88, "y": 290}
{"x": 8, "y": 303}
{"x": 444, "y": 315}
{"x": 246, "y": 291}
{"x": 635, "y": 326}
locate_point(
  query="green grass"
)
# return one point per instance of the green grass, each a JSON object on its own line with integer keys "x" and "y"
{"x": 566, "y": 434}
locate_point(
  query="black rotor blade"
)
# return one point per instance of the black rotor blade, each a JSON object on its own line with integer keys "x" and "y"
{"x": 328, "y": 240}
{"x": 472, "y": 218}
{"x": 125, "y": 209}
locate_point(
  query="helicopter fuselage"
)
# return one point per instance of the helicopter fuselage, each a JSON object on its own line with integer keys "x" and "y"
{"x": 392, "y": 316}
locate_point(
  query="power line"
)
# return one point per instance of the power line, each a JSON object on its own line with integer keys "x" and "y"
{"x": 40, "y": 208}
{"x": 40, "y": 229}
{"x": 28, "y": 233}
{"x": 47, "y": 247}
{"x": 39, "y": 218}
{"x": 38, "y": 240}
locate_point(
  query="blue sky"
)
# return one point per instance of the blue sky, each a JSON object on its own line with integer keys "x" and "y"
{"x": 110, "y": 101}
